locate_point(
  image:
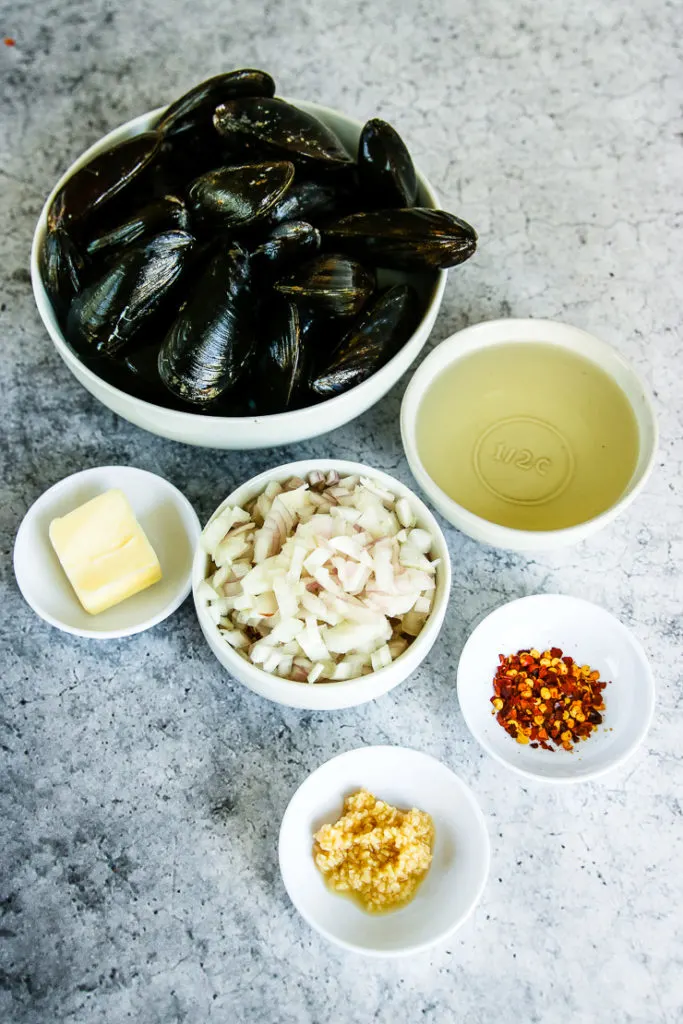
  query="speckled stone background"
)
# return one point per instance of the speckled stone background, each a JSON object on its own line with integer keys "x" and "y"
{"x": 141, "y": 789}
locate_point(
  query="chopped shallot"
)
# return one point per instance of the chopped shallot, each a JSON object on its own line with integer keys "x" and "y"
{"x": 319, "y": 580}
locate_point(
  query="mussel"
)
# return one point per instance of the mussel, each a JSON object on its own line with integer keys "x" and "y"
{"x": 333, "y": 284}
{"x": 160, "y": 215}
{"x": 236, "y": 197}
{"x": 129, "y": 295}
{"x": 194, "y": 109}
{"x": 61, "y": 267}
{"x": 280, "y": 368}
{"x": 382, "y": 328}
{"x": 310, "y": 201}
{"x": 191, "y": 145}
{"x": 320, "y": 337}
{"x": 286, "y": 245}
{"x": 142, "y": 363}
{"x": 273, "y": 126}
{"x": 206, "y": 351}
{"x": 385, "y": 168}
{"x": 102, "y": 178}
{"x": 405, "y": 239}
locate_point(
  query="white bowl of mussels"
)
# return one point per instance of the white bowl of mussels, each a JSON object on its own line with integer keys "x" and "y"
{"x": 321, "y": 584}
{"x": 241, "y": 271}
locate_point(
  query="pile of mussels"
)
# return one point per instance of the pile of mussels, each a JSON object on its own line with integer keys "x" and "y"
{"x": 226, "y": 261}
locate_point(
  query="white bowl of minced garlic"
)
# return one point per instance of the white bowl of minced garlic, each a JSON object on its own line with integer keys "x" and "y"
{"x": 384, "y": 851}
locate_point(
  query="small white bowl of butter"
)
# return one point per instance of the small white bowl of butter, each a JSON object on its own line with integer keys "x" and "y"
{"x": 158, "y": 514}
{"x": 528, "y": 434}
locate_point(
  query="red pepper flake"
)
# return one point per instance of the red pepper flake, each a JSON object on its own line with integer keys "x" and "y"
{"x": 556, "y": 700}
{"x": 8, "y": 41}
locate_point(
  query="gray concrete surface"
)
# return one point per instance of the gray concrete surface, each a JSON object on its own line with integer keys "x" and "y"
{"x": 141, "y": 788}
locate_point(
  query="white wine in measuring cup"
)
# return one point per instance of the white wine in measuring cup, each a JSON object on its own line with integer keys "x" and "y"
{"x": 528, "y": 435}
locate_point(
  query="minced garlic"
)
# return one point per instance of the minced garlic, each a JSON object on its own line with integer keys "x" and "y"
{"x": 375, "y": 852}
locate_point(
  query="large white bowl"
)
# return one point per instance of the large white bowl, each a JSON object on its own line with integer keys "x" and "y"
{"x": 243, "y": 431}
{"x": 589, "y": 635}
{"x": 350, "y": 692}
{"x": 458, "y": 872}
{"x": 492, "y": 333}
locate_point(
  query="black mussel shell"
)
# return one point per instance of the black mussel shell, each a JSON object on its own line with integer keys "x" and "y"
{"x": 61, "y": 268}
{"x": 280, "y": 368}
{"x": 194, "y": 110}
{"x": 321, "y": 334}
{"x": 133, "y": 378}
{"x": 413, "y": 239}
{"x": 385, "y": 168}
{"x": 274, "y": 126}
{"x": 102, "y": 178}
{"x": 142, "y": 363}
{"x": 234, "y": 402}
{"x": 320, "y": 337}
{"x": 236, "y": 197}
{"x": 380, "y": 331}
{"x": 165, "y": 214}
{"x": 182, "y": 158}
{"x": 287, "y": 245}
{"x": 130, "y": 294}
{"x": 308, "y": 200}
{"x": 208, "y": 347}
{"x": 333, "y": 284}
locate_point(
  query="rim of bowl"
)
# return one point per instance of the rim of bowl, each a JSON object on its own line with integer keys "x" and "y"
{"x": 418, "y": 947}
{"x": 516, "y": 330}
{"x": 107, "y": 634}
{"x": 565, "y": 780}
{"x": 425, "y": 638}
{"x": 129, "y": 129}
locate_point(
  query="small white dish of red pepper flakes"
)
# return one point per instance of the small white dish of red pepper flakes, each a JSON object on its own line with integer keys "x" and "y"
{"x": 555, "y": 688}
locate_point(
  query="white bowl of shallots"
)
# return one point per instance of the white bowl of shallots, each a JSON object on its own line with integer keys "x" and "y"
{"x": 321, "y": 584}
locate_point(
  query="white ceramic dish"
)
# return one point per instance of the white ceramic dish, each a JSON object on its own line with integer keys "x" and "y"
{"x": 165, "y": 515}
{"x": 351, "y": 692}
{"x": 592, "y": 637}
{"x": 457, "y": 876}
{"x": 497, "y": 332}
{"x": 248, "y": 431}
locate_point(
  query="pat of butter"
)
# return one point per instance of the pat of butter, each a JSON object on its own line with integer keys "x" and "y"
{"x": 104, "y": 552}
